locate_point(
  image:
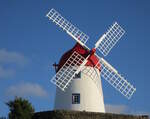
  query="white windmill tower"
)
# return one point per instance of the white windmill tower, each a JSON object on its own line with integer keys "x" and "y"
{"x": 79, "y": 70}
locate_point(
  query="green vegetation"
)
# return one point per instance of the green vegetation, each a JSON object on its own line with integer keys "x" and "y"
{"x": 20, "y": 109}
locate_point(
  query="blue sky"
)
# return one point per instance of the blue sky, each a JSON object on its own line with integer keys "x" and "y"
{"x": 30, "y": 44}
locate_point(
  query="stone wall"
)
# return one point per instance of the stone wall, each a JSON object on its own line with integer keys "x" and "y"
{"x": 63, "y": 114}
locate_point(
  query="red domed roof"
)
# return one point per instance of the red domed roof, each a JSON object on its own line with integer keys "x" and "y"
{"x": 92, "y": 61}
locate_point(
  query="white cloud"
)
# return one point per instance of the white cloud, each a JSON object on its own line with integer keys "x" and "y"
{"x": 119, "y": 109}
{"x": 9, "y": 61}
{"x": 7, "y": 57}
{"x": 26, "y": 89}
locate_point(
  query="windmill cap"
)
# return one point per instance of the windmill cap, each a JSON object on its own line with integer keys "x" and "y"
{"x": 92, "y": 60}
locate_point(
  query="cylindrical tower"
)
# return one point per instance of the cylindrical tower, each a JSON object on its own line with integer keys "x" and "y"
{"x": 84, "y": 92}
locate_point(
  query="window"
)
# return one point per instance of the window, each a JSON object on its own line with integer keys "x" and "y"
{"x": 77, "y": 75}
{"x": 76, "y": 98}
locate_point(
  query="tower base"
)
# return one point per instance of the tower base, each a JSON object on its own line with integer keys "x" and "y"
{"x": 64, "y": 114}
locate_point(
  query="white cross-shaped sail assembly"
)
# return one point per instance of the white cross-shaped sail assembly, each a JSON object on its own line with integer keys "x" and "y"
{"x": 76, "y": 62}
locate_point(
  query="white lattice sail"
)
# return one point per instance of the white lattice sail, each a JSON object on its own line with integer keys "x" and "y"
{"x": 67, "y": 72}
{"x": 116, "y": 80}
{"x": 73, "y": 31}
{"x": 109, "y": 39}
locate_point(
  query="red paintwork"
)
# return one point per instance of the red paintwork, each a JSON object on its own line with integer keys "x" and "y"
{"x": 92, "y": 60}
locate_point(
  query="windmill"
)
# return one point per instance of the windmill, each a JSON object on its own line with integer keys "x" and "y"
{"x": 84, "y": 64}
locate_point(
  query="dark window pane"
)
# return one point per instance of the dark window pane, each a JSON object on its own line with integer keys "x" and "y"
{"x": 75, "y": 98}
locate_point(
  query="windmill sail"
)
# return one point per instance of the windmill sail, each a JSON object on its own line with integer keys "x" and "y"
{"x": 116, "y": 80}
{"x": 67, "y": 72}
{"x": 109, "y": 39}
{"x": 73, "y": 31}
{"x": 76, "y": 62}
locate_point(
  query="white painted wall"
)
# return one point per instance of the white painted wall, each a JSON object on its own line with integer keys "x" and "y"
{"x": 91, "y": 94}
